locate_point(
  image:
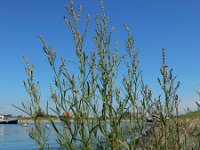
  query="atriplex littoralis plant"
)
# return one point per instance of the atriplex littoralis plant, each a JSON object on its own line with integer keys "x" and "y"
{"x": 167, "y": 136}
{"x": 32, "y": 108}
{"x": 96, "y": 97}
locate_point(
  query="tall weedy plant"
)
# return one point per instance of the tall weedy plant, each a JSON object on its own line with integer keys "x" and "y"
{"x": 167, "y": 135}
{"x": 33, "y": 109}
{"x": 108, "y": 113}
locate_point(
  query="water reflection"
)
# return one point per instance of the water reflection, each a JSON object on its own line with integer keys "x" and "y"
{"x": 2, "y": 130}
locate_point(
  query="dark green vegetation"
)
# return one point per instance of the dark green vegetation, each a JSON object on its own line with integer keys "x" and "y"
{"x": 100, "y": 91}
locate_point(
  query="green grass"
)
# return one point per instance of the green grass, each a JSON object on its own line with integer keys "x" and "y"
{"x": 191, "y": 115}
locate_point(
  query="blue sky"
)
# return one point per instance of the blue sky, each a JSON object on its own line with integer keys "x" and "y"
{"x": 156, "y": 24}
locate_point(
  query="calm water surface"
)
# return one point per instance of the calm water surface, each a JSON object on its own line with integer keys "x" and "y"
{"x": 15, "y": 137}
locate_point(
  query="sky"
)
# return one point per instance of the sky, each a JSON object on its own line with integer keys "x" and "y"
{"x": 156, "y": 24}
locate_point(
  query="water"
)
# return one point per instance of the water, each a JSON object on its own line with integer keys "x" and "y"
{"x": 15, "y": 137}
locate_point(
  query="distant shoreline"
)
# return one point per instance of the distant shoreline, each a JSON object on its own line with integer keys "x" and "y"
{"x": 28, "y": 120}
{"x": 23, "y": 120}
